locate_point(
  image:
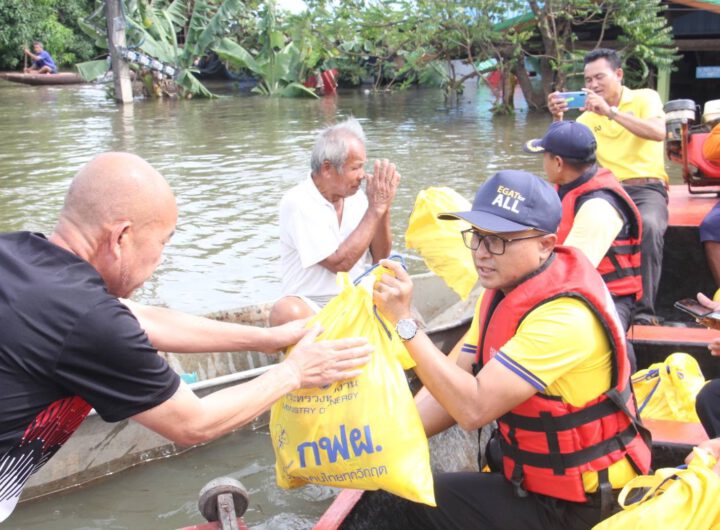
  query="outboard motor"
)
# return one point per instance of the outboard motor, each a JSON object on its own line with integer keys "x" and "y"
{"x": 684, "y": 142}
{"x": 711, "y": 112}
{"x": 676, "y": 111}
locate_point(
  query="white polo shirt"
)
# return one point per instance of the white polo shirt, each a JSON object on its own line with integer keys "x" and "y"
{"x": 309, "y": 233}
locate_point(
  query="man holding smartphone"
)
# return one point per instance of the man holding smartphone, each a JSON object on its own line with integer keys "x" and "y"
{"x": 629, "y": 126}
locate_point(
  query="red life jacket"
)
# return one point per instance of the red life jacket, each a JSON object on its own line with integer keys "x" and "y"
{"x": 620, "y": 267}
{"x": 547, "y": 444}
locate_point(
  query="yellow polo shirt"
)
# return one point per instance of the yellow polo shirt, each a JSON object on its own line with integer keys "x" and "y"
{"x": 562, "y": 350}
{"x": 625, "y": 154}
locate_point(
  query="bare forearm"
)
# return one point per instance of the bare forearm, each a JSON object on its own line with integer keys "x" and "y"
{"x": 171, "y": 330}
{"x": 455, "y": 389}
{"x": 187, "y": 420}
{"x": 649, "y": 129}
{"x": 356, "y": 244}
{"x": 381, "y": 244}
{"x": 233, "y": 407}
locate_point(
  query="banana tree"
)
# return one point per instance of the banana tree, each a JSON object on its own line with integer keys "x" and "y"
{"x": 278, "y": 71}
{"x": 280, "y": 66}
{"x": 155, "y": 26}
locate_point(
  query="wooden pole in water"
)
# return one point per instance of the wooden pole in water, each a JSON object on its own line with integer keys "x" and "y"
{"x": 116, "y": 38}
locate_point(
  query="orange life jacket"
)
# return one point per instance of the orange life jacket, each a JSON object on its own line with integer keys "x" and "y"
{"x": 547, "y": 444}
{"x": 620, "y": 267}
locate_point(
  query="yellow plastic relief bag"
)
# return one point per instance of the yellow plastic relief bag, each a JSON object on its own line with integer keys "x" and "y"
{"x": 364, "y": 433}
{"x": 667, "y": 390}
{"x": 439, "y": 242}
{"x": 671, "y": 498}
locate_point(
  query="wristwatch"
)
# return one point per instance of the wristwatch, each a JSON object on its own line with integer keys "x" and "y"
{"x": 613, "y": 112}
{"x": 406, "y": 328}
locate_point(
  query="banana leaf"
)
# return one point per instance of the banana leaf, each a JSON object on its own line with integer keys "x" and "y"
{"x": 204, "y": 30}
{"x": 91, "y": 70}
{"x": 190, "y": 83}
{"x": 230, "y": 50}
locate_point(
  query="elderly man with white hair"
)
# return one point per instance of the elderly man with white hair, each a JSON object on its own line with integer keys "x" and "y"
{"x": 328, "y": 225}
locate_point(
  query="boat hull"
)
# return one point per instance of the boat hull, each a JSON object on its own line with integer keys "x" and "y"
{"x": 62, "y": 78}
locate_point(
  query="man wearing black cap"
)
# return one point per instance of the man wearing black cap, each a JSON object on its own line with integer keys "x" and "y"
{"x": 588, "y": 194}
{"x": 545, "y": 357}
{"x": 629, "y": 126}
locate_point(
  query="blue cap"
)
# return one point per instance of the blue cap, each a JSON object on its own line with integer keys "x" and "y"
{"x": 568, "y": 139}
{"x": 511, "y": 201}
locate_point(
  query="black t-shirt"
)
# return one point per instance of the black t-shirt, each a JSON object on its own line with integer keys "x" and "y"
{"x": 66, "y": 345}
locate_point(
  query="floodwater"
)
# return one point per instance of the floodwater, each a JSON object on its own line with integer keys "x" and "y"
{"x": 229, "y": 161}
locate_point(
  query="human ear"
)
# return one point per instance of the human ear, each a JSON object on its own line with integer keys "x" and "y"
{"x": 547, "y": 244}
{"x": 119, "y": 237}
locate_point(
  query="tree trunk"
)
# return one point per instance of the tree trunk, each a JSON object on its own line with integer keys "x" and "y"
{"x": 536, "y": 100}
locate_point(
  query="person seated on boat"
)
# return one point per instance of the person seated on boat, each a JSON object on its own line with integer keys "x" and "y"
{"x": 327, "y": 223}
{"x": 545, "y": 357}
{"x": 42, "y": 61}
{"x": 69, "y": 344}
{"x": 707, "y": 402}
{"x": 629, "y": 126}
{"x": 589, "y": 193}
{"x": 710, "y": 225}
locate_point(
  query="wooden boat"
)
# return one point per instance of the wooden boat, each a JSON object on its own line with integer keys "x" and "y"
{"x": 685, "y": 273}
{"x": 61, "y": 78}
{"x": 99, "y": 449}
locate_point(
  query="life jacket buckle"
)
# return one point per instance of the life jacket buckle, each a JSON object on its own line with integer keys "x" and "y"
{"x": 518, "y": 488}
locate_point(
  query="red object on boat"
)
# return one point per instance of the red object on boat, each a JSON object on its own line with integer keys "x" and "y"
{"x": 493, "y": 79}
{"x": 325, "y": 82}
{"x": 329, "y": 81}
{"x": 338, "y": 510}
{"x": 696, "y": 158}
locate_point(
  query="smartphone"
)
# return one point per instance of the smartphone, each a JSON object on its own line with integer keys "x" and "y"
{"x": 574, "y": 100}
{"x": 696, "y": 309}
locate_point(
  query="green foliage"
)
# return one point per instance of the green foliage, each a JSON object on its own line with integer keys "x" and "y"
{"x": 647, "y": 40}
{"x": 154, "y": 27}
{"x": 91, "y": 70}
{"x": 53, "y": 22}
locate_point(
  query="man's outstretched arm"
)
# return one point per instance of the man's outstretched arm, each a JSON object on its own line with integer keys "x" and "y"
{"x": 178, "y": 332}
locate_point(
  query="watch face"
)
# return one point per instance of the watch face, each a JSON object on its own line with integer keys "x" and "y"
{"x": 406, "y": 329}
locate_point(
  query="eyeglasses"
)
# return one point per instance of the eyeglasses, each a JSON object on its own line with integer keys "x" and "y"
{"x": 494, "y": 244}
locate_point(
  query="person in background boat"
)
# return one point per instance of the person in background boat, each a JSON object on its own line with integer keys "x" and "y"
{"x": 42, "y": 61}
{"x": 629, "y": 126}
{"x": 545, "y": 356}
{"x": 589, "y": 193}
{"x": 710, "y": 226}
{"x": 69, "y": 344}
{"x": 328, "y": 225}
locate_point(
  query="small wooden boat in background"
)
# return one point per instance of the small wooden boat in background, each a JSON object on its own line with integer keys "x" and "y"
{"x": 62, "y": 78}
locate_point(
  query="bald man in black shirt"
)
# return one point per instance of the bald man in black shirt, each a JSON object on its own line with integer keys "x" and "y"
{"x": 69, "y": 344}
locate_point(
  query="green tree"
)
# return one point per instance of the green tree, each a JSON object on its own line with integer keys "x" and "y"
{"x": 53, "y": 22}
{"x": 645, "y": 38}
{"x": 176, "y": 32}
{"x": 279, "y": 64}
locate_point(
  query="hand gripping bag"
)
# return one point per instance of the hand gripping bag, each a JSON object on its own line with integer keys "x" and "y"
{"x": 672, "y": 498}
{"x": 364, "y": 433}
{"x": 667, "y": 390}
{"x": 439, "y": 242}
